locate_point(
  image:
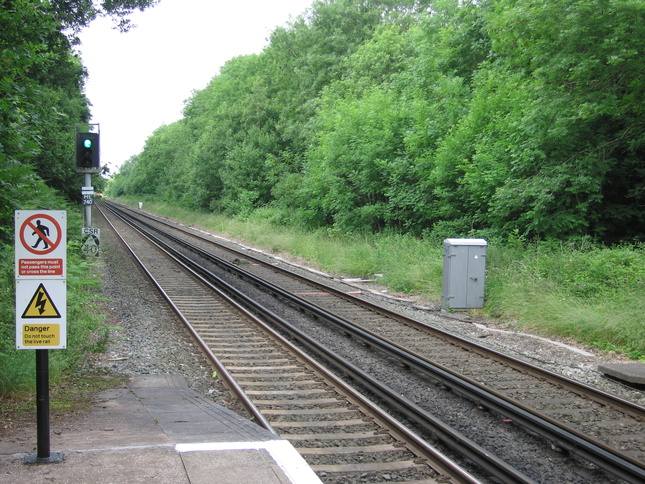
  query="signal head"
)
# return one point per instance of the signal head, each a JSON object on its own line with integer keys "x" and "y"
{"x": 87, "y": 152}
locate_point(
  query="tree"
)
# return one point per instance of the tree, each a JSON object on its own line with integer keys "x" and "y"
{"x": 76, "y": 14}
{"x": 487, "y": 116}
{"x": 582, "y": 64}
{"x": 41, "y": 90}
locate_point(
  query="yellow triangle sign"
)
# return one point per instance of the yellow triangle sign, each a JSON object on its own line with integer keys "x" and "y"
{"x": 41, "y": 305}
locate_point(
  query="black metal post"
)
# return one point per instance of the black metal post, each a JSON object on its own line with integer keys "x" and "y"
{"x": 42, "y": 402}
{"x": 43, "y": 454}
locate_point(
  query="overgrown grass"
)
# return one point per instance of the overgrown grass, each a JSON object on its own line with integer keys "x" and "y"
{"x": 86, "y": 331}
{"x": 593, "y": 295}
{"x": 403, "y": 263}
{"x": 590, "y": 294}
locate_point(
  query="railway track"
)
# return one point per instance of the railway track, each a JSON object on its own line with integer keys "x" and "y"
{"x": 342, "y": 435}
{"x": 597, "y": 427}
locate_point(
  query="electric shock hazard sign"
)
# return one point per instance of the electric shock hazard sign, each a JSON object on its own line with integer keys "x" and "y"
{"x": 41, "y": 314}
{"x": 41, "y": 305}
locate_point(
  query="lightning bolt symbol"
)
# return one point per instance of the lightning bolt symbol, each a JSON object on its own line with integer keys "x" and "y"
{"x": 41, "y": 301}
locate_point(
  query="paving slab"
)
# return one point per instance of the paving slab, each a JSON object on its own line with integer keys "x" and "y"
{"x": 157, "y": 430}
{"x": 114, "y": 466}
{"x": 629, "y": 372}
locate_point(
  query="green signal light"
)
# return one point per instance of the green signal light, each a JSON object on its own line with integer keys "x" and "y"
{"x": 87, "y": 143}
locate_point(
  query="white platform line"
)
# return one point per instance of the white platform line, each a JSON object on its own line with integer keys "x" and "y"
{"x": 287, "y": 458}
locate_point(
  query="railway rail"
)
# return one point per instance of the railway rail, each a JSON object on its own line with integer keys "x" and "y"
{"x": 593, "y": 425}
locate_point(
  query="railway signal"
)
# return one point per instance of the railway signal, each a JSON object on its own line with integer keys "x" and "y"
{"x": 88, "y": 161}
{"x": 87, "y": 151}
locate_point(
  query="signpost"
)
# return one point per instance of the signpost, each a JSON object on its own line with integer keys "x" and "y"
{"x": 41, "y": 303}
{"x": 91, "y": 238}
{"x": 88, "y": 195}
{"x": 41, "y": 281}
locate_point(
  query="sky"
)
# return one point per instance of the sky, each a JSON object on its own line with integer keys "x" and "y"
{"x": 139, "y": 80}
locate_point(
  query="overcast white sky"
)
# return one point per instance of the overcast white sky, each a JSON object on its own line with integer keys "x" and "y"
{"x": 139, "y": 80}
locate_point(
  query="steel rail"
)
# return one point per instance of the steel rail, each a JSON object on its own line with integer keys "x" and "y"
{"x": 594, "y": 394}
{"x": 229, "y": 381}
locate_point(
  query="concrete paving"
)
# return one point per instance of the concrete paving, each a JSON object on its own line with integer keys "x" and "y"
{"x": 629, "y": 372}
{"x": 157, "y": 430}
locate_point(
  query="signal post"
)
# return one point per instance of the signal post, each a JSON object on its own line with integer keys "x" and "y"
{"x": 88, "y": 161}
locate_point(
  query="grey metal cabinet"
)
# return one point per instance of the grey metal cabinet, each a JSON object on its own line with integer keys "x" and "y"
{"x": 464, "y": 273}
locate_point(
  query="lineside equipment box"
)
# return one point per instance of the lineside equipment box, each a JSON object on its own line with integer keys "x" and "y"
{"x": 464, "y": 273}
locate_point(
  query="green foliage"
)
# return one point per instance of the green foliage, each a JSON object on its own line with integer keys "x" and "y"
{"x": 572, "y": 290}
{"x": 594, "y": 271}
{"x": 253, "y": 122}
{"x": 579, "y": 61}
{"x": 79, "y": 13}
{"x": 41, "y": 87}
{"x": 41, "y": 94}
{"x": 41, "y": 97}
{"x": 351, "y": 164}
{"x": 492, "y": 117}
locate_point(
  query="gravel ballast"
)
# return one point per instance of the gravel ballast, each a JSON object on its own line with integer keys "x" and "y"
{"x": 147, "y": 337}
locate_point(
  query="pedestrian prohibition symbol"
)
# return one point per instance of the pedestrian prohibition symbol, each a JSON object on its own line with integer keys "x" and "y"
{"x": 39, "y": 228}
{"x": 41, "y": 244}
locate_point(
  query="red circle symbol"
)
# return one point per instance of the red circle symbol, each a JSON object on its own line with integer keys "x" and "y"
{"x": 42, "y": 231}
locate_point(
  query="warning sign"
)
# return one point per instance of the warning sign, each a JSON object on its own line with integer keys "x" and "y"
{"x": 41, "y": 314}
{"x": 47, "y": 335}
{"x": 91, "y": 241}
{"x": 40, "y": 267}
{"x": 41, "y": 305}
{"x": 41, "y": 284}
{"x": 38, "y": 228}
{"x": 41, "y": 244}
